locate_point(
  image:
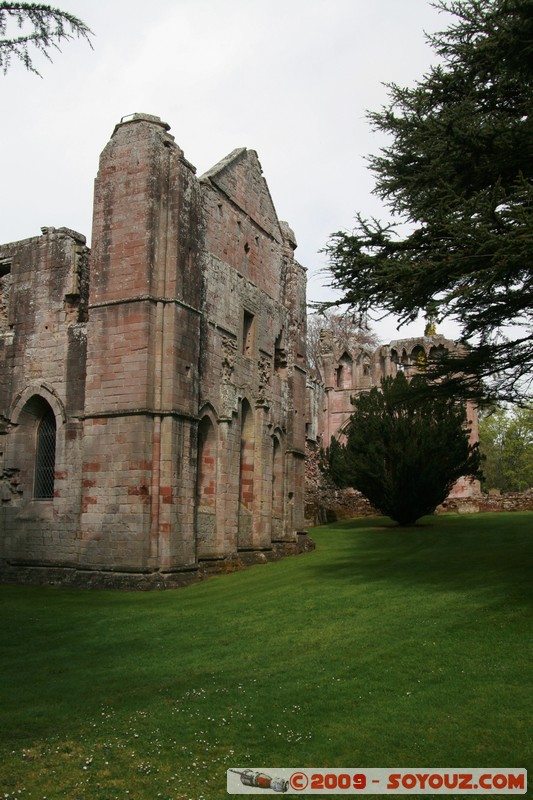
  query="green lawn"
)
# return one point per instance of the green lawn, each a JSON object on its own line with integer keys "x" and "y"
{"x": 383, "y": 648}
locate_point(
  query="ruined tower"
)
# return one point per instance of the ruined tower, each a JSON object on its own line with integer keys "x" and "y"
{"x": 142, "y": 356}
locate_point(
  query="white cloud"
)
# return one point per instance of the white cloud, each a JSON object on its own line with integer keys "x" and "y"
{"x": 291, "y": 79}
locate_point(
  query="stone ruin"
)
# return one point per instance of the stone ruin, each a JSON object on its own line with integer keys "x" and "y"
{"x": 155, "y": 403}
{"x": 345, "y": 369}
{"x": 152, "y": 388}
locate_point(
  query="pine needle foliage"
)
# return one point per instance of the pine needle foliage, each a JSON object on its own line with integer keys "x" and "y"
{"x": 457, "y": 179}
{"x": 403, "y": 453}
{"x": 41, "y": 28}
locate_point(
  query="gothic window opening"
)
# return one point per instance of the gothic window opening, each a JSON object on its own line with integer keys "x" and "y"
{"x": 280, "y": 356}
{"x": 245, "y": 530}
{"x": 344, "y": 372}
{"x": 45, "y": 457}
{"x": 277, "y": 489}
{"x": 403, "y": 364}
{"x": 6, "y": 280}
{"x": 437, "y": 353}
{"x": 248, "y": 334}
{"x": 418, "y": 358}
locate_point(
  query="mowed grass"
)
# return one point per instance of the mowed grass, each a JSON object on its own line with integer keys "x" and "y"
{"x": 382, "y": 648}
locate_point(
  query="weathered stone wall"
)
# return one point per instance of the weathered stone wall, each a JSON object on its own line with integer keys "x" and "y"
{"x": 324, "y": 502}
{"x": 492, "y": 502}
{"x": 174, "y": 370}
{"x": 42, "y": 366}
{"x": 253, "y": 352}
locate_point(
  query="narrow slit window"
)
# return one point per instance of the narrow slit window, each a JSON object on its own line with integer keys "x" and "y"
{"x": 6, "y": 280}
{"x": 248, "y": 334}
{"x": 45, "y": 458}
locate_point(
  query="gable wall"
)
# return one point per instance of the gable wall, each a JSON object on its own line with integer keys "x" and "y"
{"x": 242, "y": 226}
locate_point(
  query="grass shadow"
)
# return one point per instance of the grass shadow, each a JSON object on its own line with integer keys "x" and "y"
{"x": 488, "y": 553}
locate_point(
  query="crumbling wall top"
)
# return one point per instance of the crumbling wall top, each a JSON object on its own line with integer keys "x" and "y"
{"x": 142, "y": 117}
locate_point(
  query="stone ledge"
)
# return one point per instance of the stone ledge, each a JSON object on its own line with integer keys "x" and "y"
{"x": 86, "y": 577}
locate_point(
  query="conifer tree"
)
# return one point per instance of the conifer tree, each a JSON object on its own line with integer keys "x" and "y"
{"x": 403, "y": 453}
{"x": 458, "y": 176}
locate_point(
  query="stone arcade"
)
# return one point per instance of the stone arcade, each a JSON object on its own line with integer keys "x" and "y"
{"x": 346, "y": 369}
{"x": 152, "y": 390}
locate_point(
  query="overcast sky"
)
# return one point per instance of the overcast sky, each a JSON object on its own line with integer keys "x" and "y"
{"x": 292, "y": 79}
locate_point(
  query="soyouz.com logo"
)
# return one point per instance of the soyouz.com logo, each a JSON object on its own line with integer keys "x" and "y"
{"x": 377, "y": 781}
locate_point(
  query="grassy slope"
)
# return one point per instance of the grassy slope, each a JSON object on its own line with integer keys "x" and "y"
{"x": 383, "y": 648}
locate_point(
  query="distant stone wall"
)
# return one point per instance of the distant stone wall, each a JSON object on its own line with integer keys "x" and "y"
{"x": 514, "y": 501}
{"x": 324, "y": 502}
{"x": 329, "y": 504}
{"x": 338, "y": 505}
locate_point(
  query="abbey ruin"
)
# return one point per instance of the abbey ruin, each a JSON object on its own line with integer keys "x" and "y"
{"x": 154, "y": 401}
{"x": 152, "y": 391}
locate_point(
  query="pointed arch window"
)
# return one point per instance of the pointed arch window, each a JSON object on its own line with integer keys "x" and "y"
{"x": 277, "y": 481}
{"x": 344, "y": 372}
{"x": 45, "y": 457}
{"x": 207, "y": 464}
